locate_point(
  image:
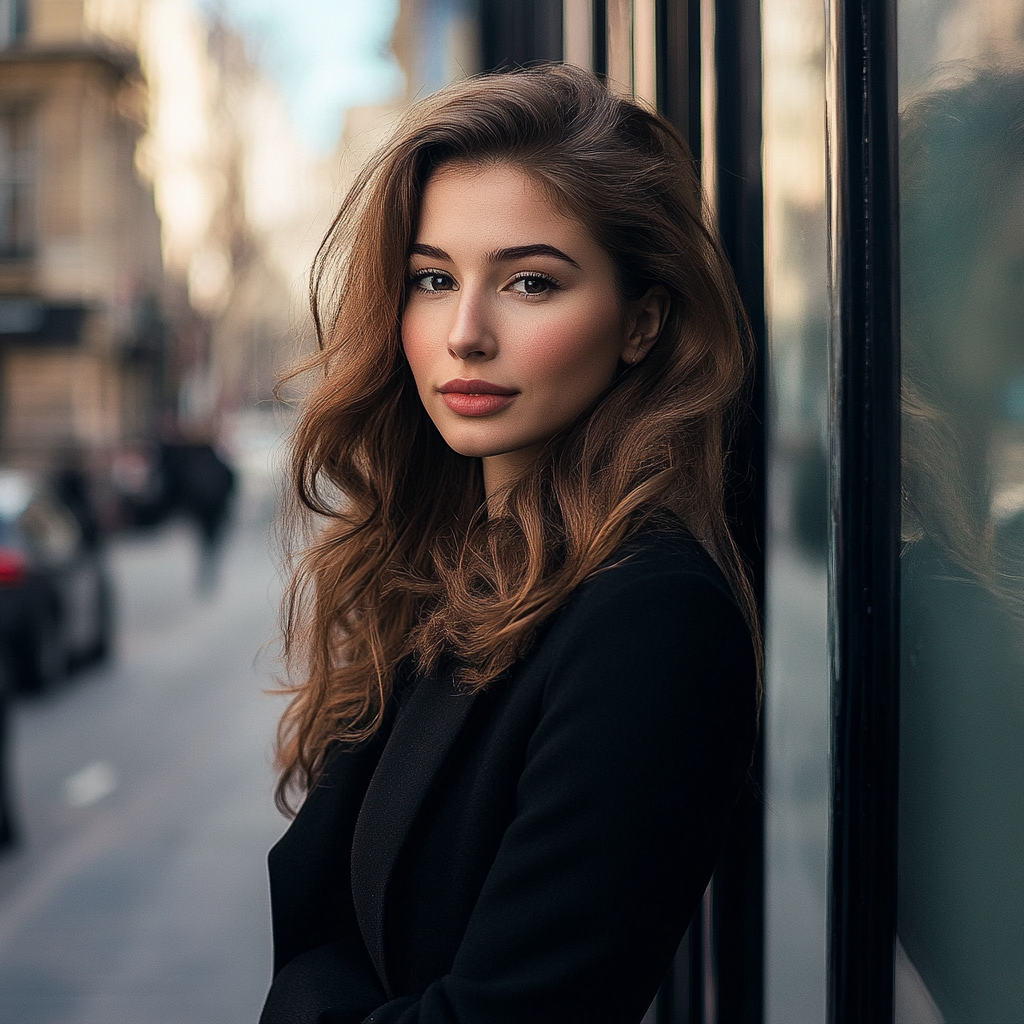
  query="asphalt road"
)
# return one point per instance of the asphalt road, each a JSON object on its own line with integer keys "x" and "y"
{"x": 138, "y": 894}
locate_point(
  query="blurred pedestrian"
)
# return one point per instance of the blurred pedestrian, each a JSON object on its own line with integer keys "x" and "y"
{"x": 526, "y": 685}
{"x": 73, "y": 485}
{"x": 200, "y": 483}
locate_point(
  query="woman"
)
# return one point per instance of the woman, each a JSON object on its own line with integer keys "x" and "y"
{"x": 528, "y": 688}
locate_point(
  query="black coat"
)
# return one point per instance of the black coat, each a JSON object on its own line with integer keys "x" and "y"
{"x": 532, "y": 853}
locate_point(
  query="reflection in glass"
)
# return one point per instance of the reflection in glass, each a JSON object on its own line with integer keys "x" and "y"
{"x": 961, "y": 800}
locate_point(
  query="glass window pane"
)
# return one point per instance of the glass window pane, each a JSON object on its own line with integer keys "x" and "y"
{"x": 961, "y": 799}
{"x": 797, "y": 680}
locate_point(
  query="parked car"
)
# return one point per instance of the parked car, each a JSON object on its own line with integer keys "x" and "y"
{"x": 55, "y": 591}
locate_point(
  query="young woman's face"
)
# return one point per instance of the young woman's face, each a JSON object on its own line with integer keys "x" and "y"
{"x": 513, "y": 322}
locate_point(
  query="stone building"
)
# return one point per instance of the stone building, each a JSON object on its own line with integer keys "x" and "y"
{"x": 82, "y": 337}
{"x": 155, "y": 212}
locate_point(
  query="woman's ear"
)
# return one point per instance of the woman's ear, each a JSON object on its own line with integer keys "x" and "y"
{"x": 646, "y": 317}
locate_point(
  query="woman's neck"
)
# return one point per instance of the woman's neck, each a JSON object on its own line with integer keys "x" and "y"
{"x": 502, "y": 471}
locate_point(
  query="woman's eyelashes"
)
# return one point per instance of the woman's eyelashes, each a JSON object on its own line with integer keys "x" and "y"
{"x": 431, "y": 281}
{"x": 528, "y": 283}
{"x": 532, "y": 283}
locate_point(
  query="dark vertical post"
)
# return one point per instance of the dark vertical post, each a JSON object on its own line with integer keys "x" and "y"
{"x": 19, "y": 28}
{"x": 719, "y": 975}
{"x": 518, "y": 32}
{"x": 599, "y": 25}
{"x": 678, "y": 67}
{"x": 684, "y": 997}
{"x": 738, "y": 886}
{"x": 865, "y": 416}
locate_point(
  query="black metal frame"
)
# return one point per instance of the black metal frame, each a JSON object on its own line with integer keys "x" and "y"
{"x": 719, "y": 971}
{"x": 740, "y": 201}
{"x": 687, "y": 994}
{"x": 865, "y": 417}
{"x": 599, "y": 28}
{"x": 738, "y": 886}
{"x": 515, "y": 33}
{"x": 677, "y": 40}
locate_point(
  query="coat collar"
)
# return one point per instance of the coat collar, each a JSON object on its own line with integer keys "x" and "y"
{"x": 424, "y": 732}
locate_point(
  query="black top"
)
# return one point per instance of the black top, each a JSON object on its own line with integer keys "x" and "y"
{"x": 533, "y": 852}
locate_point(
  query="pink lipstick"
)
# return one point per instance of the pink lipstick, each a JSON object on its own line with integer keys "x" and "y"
{"x": 476, "y": 397}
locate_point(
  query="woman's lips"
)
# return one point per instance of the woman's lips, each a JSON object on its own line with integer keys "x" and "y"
{"x": 476, "y": 405}
{"x": 476, "y": 397}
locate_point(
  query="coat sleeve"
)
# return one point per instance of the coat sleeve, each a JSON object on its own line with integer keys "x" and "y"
{"x": 337, "y": 974}
{"x": 644, "y": 739}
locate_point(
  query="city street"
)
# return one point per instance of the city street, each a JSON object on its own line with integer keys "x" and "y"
{"x": 138, "y": 893}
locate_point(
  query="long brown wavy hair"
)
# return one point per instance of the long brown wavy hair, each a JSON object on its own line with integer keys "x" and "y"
{"x": 396, "y": 555}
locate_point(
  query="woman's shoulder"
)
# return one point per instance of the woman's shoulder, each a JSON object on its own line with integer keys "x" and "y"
{"x": 654, "y": 636}
{"x": 665, "y": 555}
{"x": 661, "y": 579}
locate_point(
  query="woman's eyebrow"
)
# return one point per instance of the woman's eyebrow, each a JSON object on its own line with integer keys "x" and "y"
{"x": 515, "y": 252}
{"x": 419, "y": 249}
{"x": 518, "y": 252}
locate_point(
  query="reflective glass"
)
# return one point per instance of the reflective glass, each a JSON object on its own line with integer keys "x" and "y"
{"x": 796, "y": 717}
{"x": 961, "y": 800}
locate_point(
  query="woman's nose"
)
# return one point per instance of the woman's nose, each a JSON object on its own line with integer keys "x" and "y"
{"x": 472, "y": 335}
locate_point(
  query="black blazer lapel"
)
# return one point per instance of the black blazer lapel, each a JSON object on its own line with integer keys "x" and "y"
{"x": 306, "y": 861}
{"x": 424, "y": 732}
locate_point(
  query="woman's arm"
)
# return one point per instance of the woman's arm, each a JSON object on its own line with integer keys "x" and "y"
{"x": 338, "y": 974}
{"x": 631, "y": 776}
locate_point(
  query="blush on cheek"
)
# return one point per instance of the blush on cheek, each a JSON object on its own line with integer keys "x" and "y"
{"x": 412, "y": 346}
{"x": 407, "y": 336}
{"x": 565, "y": 354}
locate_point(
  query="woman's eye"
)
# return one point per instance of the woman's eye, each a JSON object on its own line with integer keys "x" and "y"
{"x": 432, "y": 281}
{"x": 532, "y": 284}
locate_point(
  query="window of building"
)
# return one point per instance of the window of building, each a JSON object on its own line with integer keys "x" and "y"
{"x": 13, "y": 21}
{"x": 16, "y": 215}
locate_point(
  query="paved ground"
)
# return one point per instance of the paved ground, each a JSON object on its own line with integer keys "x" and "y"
{"x": 138, "y": 895}
{"x": 796, "y": 720}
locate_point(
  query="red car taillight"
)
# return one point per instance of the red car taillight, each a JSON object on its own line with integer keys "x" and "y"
{"x": 12, "y": 566}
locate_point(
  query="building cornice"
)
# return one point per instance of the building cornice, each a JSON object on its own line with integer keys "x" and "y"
{"x": 122, "y": 62}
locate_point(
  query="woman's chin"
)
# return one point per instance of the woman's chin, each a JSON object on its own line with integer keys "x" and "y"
{"x": 475, "y": 447}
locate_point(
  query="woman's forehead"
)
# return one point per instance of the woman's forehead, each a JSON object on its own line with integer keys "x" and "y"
{"x": 494, "y": 206}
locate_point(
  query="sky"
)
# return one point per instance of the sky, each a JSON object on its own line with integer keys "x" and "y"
{"x": 325, "y": 55}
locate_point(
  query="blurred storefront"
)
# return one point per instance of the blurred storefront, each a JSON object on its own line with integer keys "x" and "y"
{"x": 865, "y": 162}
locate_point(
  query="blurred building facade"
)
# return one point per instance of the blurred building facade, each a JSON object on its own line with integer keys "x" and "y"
{"x": 242, "y": 203}
{"x": 155, "y": 212}
{"x": 435, "y": 42}
{"x": 82, "y": 339}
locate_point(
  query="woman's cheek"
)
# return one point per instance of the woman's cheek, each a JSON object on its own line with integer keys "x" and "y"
{"x": 577, "y": 354}
{"x": 415, "y": 345}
